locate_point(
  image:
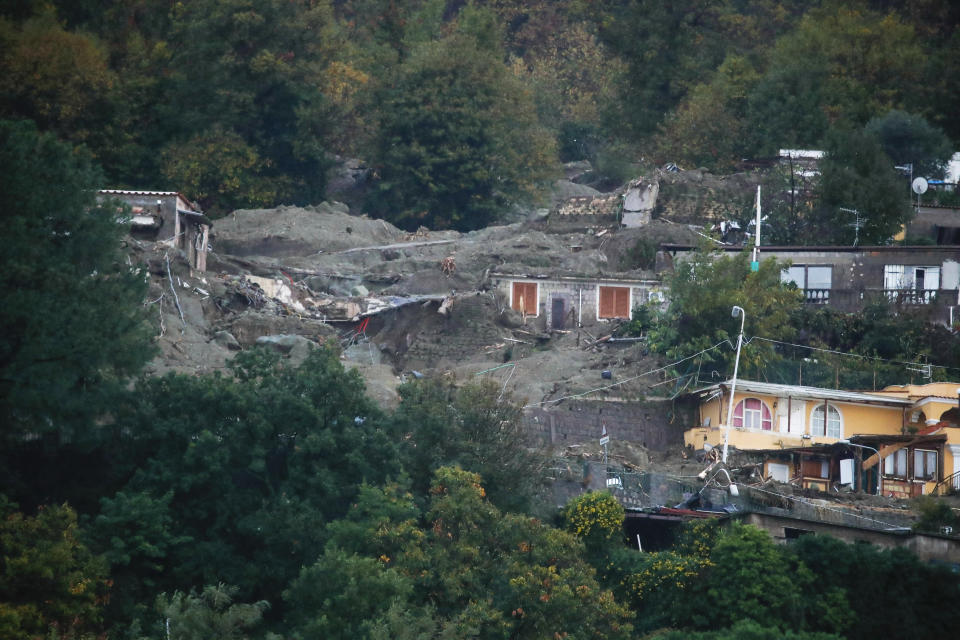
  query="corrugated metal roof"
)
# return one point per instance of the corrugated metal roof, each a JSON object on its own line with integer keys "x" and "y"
{"x": 136, "y": 192}
{"x": 129, "y": 192}
{"x": 811, "y": 393}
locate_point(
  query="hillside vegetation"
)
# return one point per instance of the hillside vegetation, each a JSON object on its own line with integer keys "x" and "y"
{"x": 461, "y": 108}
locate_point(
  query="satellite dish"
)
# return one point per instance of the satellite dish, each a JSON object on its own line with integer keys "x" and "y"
{"x": 919, "y": 186}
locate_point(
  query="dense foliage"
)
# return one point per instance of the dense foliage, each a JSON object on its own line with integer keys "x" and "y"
{"x": 278, "y": 500}
{"x": 72, "y": 325}
{"x": 704, "y": 290}
{"x": 462, "y": 108}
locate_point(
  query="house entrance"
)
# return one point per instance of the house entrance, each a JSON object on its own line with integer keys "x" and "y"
{"x": 558, "y": 313}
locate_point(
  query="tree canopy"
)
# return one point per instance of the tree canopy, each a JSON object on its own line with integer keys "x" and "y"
{"x": 458, "y": 137}
{"x": 704, "y": 289}
{"x": 71, "y": 321}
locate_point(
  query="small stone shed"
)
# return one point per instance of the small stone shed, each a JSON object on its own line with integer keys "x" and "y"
{"x": 567, "y": 302}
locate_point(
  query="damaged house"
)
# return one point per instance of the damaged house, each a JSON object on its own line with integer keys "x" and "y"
{"x": 167, "y": 216}
{"x": 564, "y": 302}
{"x": 823, "y": 439}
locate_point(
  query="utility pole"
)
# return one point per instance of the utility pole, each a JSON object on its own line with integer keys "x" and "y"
{"x": 755, "y": 259}
{"x": 735, "y": 312}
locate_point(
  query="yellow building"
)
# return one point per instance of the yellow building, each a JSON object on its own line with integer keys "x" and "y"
{"x": 821, "y": 438}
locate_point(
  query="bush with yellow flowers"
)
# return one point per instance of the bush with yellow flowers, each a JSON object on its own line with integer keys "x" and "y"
{"x": 595, "y": 517}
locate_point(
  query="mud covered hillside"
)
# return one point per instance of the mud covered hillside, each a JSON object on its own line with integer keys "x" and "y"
{"x": 399, "y": 302}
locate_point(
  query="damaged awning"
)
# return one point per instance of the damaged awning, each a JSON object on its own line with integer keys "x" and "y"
{"x": 195, "y": 216}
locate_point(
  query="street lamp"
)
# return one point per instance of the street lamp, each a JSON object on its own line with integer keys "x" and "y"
{"x": 879, "y": 461}
{"x": 735, "y": 312}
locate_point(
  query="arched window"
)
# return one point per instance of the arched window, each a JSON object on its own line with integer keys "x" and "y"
{"x": 825, "y": 421}
{"x": 752, "y": 414}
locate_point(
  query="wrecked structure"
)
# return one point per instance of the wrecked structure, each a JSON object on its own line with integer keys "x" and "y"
{"x": 822, "y": 439}
{"x": 167, "y": 217}
{"x": 569, "y": 301}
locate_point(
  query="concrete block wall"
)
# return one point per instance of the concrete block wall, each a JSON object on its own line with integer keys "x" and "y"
{"x": 654, "y": 423}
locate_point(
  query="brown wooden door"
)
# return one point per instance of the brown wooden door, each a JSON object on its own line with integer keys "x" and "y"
{"x": 525, "y": 297}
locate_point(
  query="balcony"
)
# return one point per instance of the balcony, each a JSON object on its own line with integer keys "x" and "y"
{"x": 937, "y": 300}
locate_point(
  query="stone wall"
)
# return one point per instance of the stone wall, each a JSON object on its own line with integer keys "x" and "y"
{"x": 656, "y": 424}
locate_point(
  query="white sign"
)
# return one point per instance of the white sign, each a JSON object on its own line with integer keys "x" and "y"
{"x": 604, "y": 440}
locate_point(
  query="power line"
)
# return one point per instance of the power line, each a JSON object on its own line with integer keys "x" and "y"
{"x": 616, "y": 384}
{"x": 850, "y": 355}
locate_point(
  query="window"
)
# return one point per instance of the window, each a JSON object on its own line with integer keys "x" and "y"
{"x": 815, "y": 280}
{"x": 924, "y": 464}
{"x": 525, "y": 298}
{"x": 613, "y": 302}
{"x": 898, "y": 277}
{"x": 825, "y": 421}
{"x": 895, "y": 464}
{"x": 751, "y": 413}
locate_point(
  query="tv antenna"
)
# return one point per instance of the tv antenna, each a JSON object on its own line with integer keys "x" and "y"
{"x": 857, "y": 224}
{"x": 925, "y": 370}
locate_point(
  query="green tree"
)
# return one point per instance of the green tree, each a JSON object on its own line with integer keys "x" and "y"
{"x": 458, "y": 137}
{"x": 856, "y": 174}
{"x": 50, "y": 583}
{"x": 749, "y": 630}
{"x": 474, "y": 571}
{"x": 344, "y": 596}
{"x": 751, "y": 579}
{"x": 909, "y": 138}
{"x": 596, "y": 518}
{"x": 72, "y": 326}
{"x": 210, "y": 614}
{"x": 261, "y": 64}
{"x": 785, "y": 107}
{"x": 221, "y": 171}
{"x": 667, "y": 48}
{"x": 256, "y": 465}
{"x": 833, "y": 62}
{"x": 709, "y": 128}
{"x": 59, "y": 79}
{"x": 474, "y": 426}
{"x": 704, "y": 289}
{"x": 136, "y": 534}
{"x": 885, "y": 592}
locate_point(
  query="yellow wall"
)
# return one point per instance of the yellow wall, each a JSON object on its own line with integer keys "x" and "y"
{"x": 933, "y": 409}
{"x": 856, "y": 419}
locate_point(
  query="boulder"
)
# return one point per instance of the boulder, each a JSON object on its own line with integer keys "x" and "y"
{"x": 564, "y": 190}
{"x": 511, "y": 319}
{"x": 226, "y": 339}
{"x": 295, "y": 347}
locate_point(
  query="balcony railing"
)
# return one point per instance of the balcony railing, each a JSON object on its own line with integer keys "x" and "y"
{"x": 937, "y": 301}
{"x": 817, "y": 296}
{"x": 911, "y": 296}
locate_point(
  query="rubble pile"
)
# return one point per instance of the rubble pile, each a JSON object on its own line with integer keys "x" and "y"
{"x": 423, "y": 297}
